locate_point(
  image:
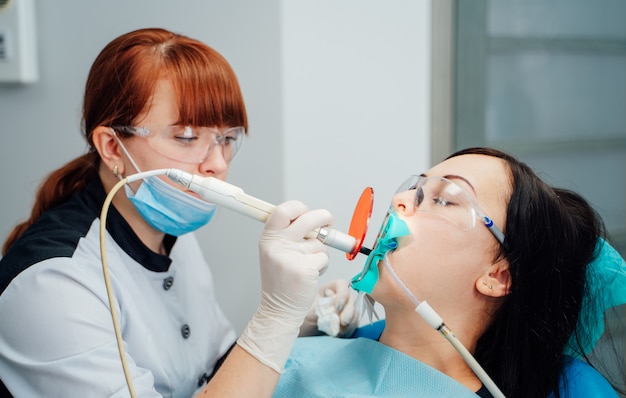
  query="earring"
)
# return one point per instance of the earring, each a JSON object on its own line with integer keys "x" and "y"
{"x": 116, "y": 171}
{"x": 490, "y": 285}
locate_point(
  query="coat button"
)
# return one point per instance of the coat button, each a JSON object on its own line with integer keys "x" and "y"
{"x": 185, "y": 331}
{"x": 168, "y": 282}
{"x": 203, "y": 379}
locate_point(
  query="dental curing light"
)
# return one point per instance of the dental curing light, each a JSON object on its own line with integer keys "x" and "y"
{"x": 234, "y": 198}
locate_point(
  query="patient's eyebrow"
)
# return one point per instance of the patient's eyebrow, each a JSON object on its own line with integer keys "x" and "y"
{"x": 455, "y": 177}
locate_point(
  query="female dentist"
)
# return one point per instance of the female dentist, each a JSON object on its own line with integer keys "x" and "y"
{"x": 153, "y": 99}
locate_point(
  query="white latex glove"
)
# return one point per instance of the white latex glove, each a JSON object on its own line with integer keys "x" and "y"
{"x": 333, "y": 312}
{"x": 290, "y": 269}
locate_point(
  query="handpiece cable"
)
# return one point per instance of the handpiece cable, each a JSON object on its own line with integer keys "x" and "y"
{"x": 105, "y": 268}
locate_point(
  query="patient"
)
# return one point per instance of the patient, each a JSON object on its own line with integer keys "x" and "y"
{"x": 518, "y": 270}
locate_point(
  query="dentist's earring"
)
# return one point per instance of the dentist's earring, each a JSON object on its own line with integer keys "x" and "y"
{"x": 116, "y": 172}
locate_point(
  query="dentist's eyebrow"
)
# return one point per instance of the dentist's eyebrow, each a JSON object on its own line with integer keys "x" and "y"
{"x": 455, "y": 177}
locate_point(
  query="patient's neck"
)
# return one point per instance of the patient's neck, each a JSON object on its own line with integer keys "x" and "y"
{"x": 411, "y": 335}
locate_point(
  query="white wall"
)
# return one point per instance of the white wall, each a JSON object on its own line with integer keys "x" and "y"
{"x": 356, "y": 105}
{"x": 337, "y": 95}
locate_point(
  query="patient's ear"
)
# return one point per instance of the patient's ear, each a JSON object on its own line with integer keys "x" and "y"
{"x": 496, "y": 281}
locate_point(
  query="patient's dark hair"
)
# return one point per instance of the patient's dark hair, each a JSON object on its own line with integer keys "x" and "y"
{"x": 551, "y": 237}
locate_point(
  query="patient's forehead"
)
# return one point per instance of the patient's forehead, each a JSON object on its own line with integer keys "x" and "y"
{"x": 478, "y": 169}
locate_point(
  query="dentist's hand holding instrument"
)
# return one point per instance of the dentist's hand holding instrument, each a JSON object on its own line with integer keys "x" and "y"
{"x": 290, "y": 268}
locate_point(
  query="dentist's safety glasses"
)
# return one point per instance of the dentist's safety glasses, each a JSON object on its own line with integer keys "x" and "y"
{"x": 188, "y": 144}
{"x": 446, "y": 199}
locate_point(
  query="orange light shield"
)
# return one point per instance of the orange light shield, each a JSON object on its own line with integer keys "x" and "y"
{"x": 360, "y": 221}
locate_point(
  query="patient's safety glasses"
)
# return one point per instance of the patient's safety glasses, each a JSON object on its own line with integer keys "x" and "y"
{"x": 446, "y": 199}
{"x": 188, "y": 144}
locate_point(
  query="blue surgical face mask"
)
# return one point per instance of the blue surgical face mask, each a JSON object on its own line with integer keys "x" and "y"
{"x": 166, "y": 208}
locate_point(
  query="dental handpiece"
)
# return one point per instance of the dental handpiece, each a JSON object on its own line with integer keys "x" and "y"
{"x": 234, "y": 198}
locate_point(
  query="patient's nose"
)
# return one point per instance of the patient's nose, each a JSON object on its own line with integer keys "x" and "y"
{"x": 404, "y": 202}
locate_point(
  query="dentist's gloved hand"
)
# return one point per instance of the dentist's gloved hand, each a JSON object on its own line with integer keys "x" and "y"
{"x": 333, "y": 311}
{"x": 290, "y": 269}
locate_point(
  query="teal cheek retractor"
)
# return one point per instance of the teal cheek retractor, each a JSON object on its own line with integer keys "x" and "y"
{"x": 393, "y": 227}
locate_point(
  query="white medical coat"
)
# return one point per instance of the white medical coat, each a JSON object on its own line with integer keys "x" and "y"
{"x": 56, "y": 332}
